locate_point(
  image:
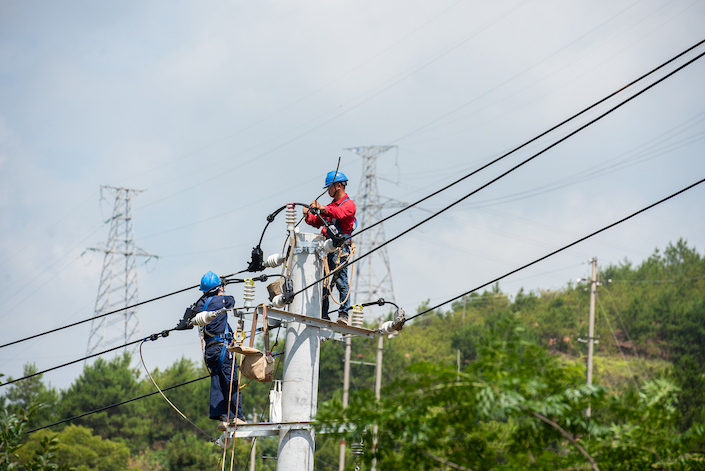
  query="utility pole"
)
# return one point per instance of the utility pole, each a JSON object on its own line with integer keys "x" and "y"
{"x": 301, "y": 358}
{"x": 457, "y": 378}
{"x": 346, "y": 392}
{"x": 253, "y": 450}
{"x": 378, "y": 389}
{"x": 118, "y": 279}
{"x": 591, "y": 326}
{"x": 373, "y": 277}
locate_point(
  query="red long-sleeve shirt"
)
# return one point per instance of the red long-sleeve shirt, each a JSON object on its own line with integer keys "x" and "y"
{"x": 342, "y": 211}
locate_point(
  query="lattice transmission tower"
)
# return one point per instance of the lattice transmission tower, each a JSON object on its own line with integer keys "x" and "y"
{"x": 373, "y": 277}
{"x": 118, "y": 279}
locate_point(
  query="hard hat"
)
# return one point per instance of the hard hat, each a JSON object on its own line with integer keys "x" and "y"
{"x": 335, "y": 176}
{"x": 210, "y": 281}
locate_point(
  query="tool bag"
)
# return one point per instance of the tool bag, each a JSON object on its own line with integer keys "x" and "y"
{"x": 255, "y": 364}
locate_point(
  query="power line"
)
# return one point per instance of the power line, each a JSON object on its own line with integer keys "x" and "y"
{"x": 163, "y": 333}
{"x": 502, "y": 175}
{"x": 108, "y": 313}
{"x": 115, "y": 405}
{"x": 545, "y": 133}
{"x": 99, "y": 316}
{"x": 560, "y": 250}
{"x": 457, "y": 181}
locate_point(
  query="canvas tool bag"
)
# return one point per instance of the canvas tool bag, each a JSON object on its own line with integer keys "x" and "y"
{"x": 255, "y": 364}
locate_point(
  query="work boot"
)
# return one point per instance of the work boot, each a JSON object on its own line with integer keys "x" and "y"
{"x": 223, "y": 425}
{"x": 343, "y": 319}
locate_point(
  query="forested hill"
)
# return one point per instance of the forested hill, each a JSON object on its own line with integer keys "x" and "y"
{"x": 518, "y": 402}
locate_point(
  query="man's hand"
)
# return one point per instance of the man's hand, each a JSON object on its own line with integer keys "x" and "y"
{"x": 318, "y": 206}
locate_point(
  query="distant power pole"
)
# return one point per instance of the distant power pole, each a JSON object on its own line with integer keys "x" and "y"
{"x": 373, "y": 277}
{"x": 118, "y": 280}
{"x": 591, "y": 326}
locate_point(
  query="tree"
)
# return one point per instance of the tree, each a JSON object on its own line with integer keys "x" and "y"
{"x": 517, "y": 407}
{"x": 21, "y": 395}
{"x": 105, "y": 383}
{"x": 76, "y": 447}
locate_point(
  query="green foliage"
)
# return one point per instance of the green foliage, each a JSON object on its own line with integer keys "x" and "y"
{"x": 12, "y": 427}
{"x": 78, "y": 448}
{"x": 517, "y": 403}
{"x": 105, "y": 383}
{"x": 19, "y": 396}
{"x": 516, "y": 407}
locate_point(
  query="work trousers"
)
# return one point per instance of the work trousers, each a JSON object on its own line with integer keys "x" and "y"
{"x": 220, "y": 385}
{"x": 341, "y": 282}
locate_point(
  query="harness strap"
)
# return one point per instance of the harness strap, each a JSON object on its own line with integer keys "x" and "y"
{"x": 223, "y": 338}
{"x": 337, "y": 224}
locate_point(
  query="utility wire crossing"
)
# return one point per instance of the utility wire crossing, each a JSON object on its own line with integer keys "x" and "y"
{"x": 437, "y": 305}
{"x": 426, "y": 197}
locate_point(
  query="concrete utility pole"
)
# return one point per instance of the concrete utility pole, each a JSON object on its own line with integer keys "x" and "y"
{"x": 591, "y": 326}
{"x": 118, "y": 279}
{"x": 301, "y": 358}
{"x": 346, "y": 392}
{"x": 253, "y": 450}
{"x": 378, "y": 389}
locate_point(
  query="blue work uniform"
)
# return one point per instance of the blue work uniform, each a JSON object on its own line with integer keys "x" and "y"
{"x": 219, "y": 361}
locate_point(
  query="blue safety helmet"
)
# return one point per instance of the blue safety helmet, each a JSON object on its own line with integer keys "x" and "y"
{"x": 209, "y": 282}
{"x": 335, "y": 176}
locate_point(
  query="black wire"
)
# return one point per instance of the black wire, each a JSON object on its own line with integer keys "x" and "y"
{"x": 108, "y": 313}
{"x": 529, "y": 141}
{"x": 589, "y": 123}
{"x": 115, "y": 405}
{"x": 430, "y": 309}
{"x": 559, "y": 250}
{"x": 164, "y": 333}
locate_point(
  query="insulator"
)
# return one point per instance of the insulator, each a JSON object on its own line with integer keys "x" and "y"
{"x": 249, "y": 293}
{"x": 290, "y": 217}
{"x": 357, "y": 448}
{"x": 357, "y": 316}
{"x": 274, "y": 260}
{"x": 329, "y": 246}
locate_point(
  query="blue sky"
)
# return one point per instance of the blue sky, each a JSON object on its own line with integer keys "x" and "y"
{"x": 224, "y": 111}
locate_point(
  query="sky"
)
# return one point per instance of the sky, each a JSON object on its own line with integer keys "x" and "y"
{"x": 221, "y": 112}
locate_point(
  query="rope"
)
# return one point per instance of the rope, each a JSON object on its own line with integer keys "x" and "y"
{"x": 166, "y": 398}
{"x": 329, "y": 282}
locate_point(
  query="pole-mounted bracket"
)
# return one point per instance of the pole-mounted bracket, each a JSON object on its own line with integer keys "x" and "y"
{"x": 328, "y": 328}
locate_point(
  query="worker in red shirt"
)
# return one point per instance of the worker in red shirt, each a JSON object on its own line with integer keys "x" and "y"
{"x": 340, "y": 213}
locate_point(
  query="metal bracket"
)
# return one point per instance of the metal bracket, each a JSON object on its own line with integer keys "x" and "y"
{"x": 328, "y": 328}
{"x": 310, "y": 246}
{"x": 265, "y": 429}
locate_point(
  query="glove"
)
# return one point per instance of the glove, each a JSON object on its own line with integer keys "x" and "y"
{"x": 205, "y": 317}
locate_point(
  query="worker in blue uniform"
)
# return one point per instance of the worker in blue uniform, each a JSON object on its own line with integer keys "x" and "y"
{"x": 341, "y": 214}
{"x": 220, "y": 362}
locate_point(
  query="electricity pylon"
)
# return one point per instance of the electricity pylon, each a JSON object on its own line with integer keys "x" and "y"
{"x": 373, "y": 277}
{"x": 118, "y": 280}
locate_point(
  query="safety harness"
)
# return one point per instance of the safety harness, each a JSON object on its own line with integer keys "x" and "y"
{"x": 335, "y": 222}
{"x": 223, "y": 339}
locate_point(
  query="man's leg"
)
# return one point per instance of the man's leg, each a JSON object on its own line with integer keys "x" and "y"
{"x": 343, "y": 285}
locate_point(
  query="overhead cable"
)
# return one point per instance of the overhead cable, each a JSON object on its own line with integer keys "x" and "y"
{"x": 534, "y": 138}
{"x": 164, "y": 333}
{"x": 115, "y": 405}
{"x": 107, "y": 313}
{"x": 558, "y": 250}
{"x": 502, "y": 175}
